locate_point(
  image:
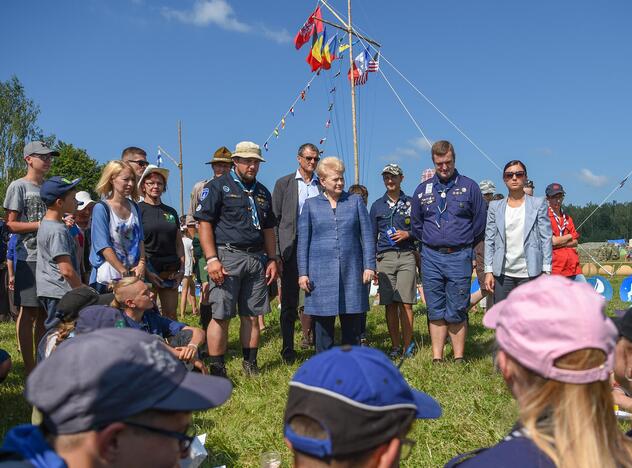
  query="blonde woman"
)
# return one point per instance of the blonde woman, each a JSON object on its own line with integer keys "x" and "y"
{"x": 336, "y": 257}
{"x": 117, "y": 248}
{"x": 555, "y": 357}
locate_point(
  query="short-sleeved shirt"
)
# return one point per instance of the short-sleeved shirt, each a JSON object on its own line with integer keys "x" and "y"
{"x": 53, "y": 241}
{"x": 224, "y": 204}
{"x": 565, "y": 259}
{"x": 155, "y": 324}
{"x": 23, "y": 196}
{"x": 160, "y": 225}
{"x": 386, "y": 214}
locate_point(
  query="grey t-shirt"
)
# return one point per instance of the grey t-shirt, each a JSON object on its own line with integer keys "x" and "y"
{"x": 23, "y": 196}
{"x": 53, "y": 240}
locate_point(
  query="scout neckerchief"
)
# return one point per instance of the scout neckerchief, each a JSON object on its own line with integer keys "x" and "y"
{"x": 253, "y": 206}
{"x": 564, "y": 223}
{"x": 442, "y": 190}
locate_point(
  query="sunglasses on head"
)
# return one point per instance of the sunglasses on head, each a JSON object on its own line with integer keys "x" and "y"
{"x": 517, "y": 174}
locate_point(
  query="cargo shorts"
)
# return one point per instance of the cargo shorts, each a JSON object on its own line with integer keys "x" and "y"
{"x": 397, "y": 277}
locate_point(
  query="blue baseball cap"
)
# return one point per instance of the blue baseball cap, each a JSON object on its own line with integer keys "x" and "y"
{"x": 109, "y": 375}
{"x": 55, "y": 188}
{"x": 359, "y": 399}
{"x": 95, "y": 317}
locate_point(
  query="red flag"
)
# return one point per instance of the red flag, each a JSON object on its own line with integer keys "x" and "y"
{"x": 315, "y": 56}
{"x": 307, "y": 30}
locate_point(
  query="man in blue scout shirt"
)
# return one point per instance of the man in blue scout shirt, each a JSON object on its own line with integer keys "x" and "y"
{"x": 237, "y": 235}
{"x": 448, "y": 216}
{"x": 396, "y": 264}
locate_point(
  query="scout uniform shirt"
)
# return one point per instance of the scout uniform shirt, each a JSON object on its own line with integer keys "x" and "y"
{"x": 457, "y": 223}
{"x": 386, "y": 214}
{"x": 229, "y": 208}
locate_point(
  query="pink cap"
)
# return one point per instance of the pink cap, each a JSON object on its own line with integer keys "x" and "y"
{"x": 548, "y": 318}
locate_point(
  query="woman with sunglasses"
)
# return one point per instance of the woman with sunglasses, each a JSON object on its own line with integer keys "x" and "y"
{"x": 518, "y": 236}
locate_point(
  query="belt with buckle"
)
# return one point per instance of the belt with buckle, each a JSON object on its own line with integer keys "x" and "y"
{"x": 243, "y": 248}
{"x": 447, "y": 250}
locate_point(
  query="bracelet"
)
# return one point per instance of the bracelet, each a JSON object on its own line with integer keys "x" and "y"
{"x": 212, "y": 259}
{"x": 193, "y": 344}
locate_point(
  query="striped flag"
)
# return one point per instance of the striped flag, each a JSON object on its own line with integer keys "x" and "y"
{"x": 159, "y": 158}
{"x": 374, "y": 63}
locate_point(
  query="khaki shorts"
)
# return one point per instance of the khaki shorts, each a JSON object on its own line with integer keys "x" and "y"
{"x": 397, "y": 277}
{"x": 244, "y": 289}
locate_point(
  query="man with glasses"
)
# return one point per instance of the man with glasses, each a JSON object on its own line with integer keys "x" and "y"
{"x": 111, "y": 397}
{"x": 25, "y": 210}
{"x": 448, "y": 217}
{"x": 565, "y": 236}
{"x": 237, "y": 236}
{"x": 288, "y": 198}
{"x": 350, "y": 406}
{"x": 137, "y": 158}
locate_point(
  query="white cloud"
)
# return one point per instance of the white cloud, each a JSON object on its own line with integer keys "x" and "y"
{"x": 220, "y": 13}
{"x": 416, "y": 149}
{"x": 593, "y": 179}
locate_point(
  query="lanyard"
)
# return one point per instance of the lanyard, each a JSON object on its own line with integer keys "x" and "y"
{"x": 557, "y": 221}
{"x": 253, "y": 206}
{"x": 442, "y": 205}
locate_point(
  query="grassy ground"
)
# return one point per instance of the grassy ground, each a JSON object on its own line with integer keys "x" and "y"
{"x": 478, "y": 410}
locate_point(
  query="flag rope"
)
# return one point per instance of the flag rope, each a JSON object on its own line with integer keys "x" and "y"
{"x": 617, "y": 187}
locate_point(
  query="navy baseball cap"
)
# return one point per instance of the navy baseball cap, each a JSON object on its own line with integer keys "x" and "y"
{"x": 55, "y": 188}
{"x": 553, "y": 189}
{"x": 77, "y": 299}
{"x": 111, "y": 374}
{"x": 95, "y": 317}
{"x": 358, "y": 397}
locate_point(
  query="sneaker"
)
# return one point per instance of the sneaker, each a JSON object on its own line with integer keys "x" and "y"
{"x": 410, "y": 351}
{"x": 218, "y": 370}
{"x": 305, "y": 343}
{"x": 395, "y": 353}
{"x": 364, "y": 342}
{"x": 250, "y": 368}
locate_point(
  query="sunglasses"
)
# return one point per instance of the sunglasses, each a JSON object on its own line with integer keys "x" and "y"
{"x": 140, "y": 162}
{"x": 44, "y": 157}
{"x": 511, "y": 175}
{"x": 310, "y": 159}
{"x": 184, "y": 439}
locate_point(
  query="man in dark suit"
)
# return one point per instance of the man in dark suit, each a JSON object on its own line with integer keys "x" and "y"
{"x": 288, "y": 197}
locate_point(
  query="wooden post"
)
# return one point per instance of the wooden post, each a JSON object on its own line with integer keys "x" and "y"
{"x": 353, "y": 103}
{"x": 181, "y": 169}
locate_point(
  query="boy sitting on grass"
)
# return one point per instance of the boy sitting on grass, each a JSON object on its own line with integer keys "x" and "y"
{"x": 57, "y": 263}
{"x": 133, "y": 297}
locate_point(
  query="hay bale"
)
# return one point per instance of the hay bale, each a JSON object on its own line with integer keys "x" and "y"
{"x": 624, "y": 270}
{"x": 608, "y": 268}
{"x": 589, "y": 269}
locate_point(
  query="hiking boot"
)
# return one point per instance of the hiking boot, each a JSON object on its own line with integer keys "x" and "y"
{"x": 218, "y": 370}
{"x": 250, "y": 368}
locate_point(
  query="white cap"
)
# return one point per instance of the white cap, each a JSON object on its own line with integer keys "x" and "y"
{"x": 84, "y": 200}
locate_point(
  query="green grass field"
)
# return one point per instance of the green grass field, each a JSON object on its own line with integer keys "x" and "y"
{"x": 477, "y": 409}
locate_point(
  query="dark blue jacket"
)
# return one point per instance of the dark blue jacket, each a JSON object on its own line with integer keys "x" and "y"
{"x": 464, "y": 221}
{"x": 155, "y": 324}
{"x": 518, "y": 452}
{"x": 384, "y": 217}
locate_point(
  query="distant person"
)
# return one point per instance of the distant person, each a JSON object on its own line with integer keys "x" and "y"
{"x": 83, "y": 220}
{"x": 288, "y": 199}
{"x": 396, "y": 261}
{"x": 427, "y": 174}
{"x": 237, "y": 234}
{"x": 351, "y": 407}
{"x": 162, "y": 240}
{"x": 488, "y": 188}
{"x": 111, "y": 398}
{"x": 448, "y": 217}
{"x": 25, "y": 210}
{"x": 518, "y": 235}
{"x": 137, "y": 159}
{"x": 117, "y": 248}
{"x": 556, "y": 357}
{"x": 529, "y": 187}
{"x": 188, "y": 281}
{"x": 498, "y": 196}
{"x": 58, "y": 267}
{"x": 5, "y": 368}
{"x": 565, "y": 236}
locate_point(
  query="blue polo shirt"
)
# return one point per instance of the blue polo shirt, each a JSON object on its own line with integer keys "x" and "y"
{"x": 463, "y": 221}
{"x": 155, "y": 324}
{"x": 224, "y": 204}
{"x": 385, "y": 214}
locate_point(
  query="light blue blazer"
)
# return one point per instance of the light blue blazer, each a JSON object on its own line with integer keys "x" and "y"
{"x": 538, "y": 237}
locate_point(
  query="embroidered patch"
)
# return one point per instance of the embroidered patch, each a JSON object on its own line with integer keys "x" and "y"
{"x": 203, "y": 194}
{"x": 198, "y": 208}
{"x": 226, "y": 189}
{"x": 428, "y": 189}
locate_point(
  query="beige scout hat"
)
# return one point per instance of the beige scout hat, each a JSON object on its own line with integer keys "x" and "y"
{"x": 248, "y": 149}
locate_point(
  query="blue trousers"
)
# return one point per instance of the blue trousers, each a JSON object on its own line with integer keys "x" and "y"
{"x": 446, "y": 281}
{"x": 325, "y": 327}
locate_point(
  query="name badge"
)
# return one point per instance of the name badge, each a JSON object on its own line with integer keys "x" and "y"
{"x": 428, "y": 189}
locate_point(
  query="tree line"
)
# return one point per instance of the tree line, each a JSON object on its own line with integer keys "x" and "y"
{"x": 612, "y": 221}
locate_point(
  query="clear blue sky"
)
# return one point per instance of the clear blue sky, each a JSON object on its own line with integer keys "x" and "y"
{"x": 548, "y": 82}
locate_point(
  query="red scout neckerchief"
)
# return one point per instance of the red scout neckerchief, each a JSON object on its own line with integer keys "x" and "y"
{"x": 557, "y": 221}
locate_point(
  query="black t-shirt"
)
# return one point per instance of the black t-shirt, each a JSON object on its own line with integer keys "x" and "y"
{"x": 226, "y": 205}
{"x": 160, "y": 224}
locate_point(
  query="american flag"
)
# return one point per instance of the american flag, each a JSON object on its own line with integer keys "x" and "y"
{"x": 374, "y": 63}
{"x": 360, "y": 80}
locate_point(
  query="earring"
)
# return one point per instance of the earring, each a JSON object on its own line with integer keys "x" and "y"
{"x": 627, "y": 375}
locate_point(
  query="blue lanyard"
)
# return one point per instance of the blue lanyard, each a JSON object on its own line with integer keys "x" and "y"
{"x": 253, "y": 206}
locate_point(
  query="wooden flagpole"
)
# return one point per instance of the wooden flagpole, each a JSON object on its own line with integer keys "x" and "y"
{"x": 353, "y": 103}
